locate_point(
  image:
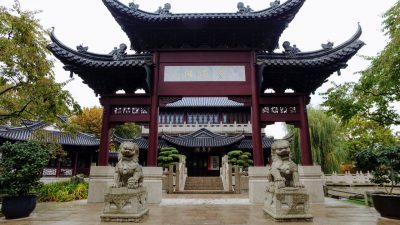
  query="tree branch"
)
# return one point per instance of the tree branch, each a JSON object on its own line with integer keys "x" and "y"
{"x": 10, "y": 88}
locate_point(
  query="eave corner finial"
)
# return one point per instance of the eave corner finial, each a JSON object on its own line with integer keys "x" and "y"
{"x": 82, "y": 49}
{"x": 119, "y": 53}
{"x": 327, "y": 46}
{"x": 243, "y": 9}
{"x": 274, "y": 4}
{"x": 165, "y": 10}
{"x": 133, "y": 6}
{"x": 290, "y": 50}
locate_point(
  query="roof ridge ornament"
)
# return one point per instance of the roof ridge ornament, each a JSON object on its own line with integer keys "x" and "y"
{"x": 275, "y": 4}
{"x": 133, "y": 6}
{"x": 119, "y": 53}
{"x": 165, "y": 10}
{"x": 327, "y": 46}
{"x": 290, "y": 50}
{"x": 82, "y": 49}
{"x": 243, "y": 9}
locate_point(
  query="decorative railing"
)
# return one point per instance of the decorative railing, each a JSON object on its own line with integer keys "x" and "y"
{"x": 347, "y": 178}
{"x": 50, "y": 172}
{"x": 189, "y": 128}
{"x": 181, "y": 174}
{"x": 226, "y": 174}
{"x": 63, "y": 171}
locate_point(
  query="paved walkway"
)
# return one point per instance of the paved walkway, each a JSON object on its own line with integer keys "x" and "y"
{"x": 203, "y": 209}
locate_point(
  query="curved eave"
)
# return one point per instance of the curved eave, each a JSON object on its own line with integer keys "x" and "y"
{"x": 62, "y": 138}
{"x": 191, "y": 140}
{"x": 123, "y": 12}
{"x": 248, "y": 143}
{"x": 327, "y": 58}
{"x": 102, "y": 73}
{"x": 143, "y": 143}
{"x": 305, "y": 72}
{"x": 152, "y": 31}
{"x": 75, "y": 60}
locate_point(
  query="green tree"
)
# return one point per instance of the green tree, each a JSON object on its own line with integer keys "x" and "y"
{"x": 360, "y": 134}
{"x": 375, "y": 96}
{"x": 127, "y": 130}
{"x": 326, "y": 141}
{"x": 27, "y": 85}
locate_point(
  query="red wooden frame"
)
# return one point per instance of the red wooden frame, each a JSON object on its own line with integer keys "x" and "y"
{"x": 248, "y": 90}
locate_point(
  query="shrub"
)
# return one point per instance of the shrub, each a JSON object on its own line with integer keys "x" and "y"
{"x": 63, "y": 191}
{"x": 385, "y": 163}
{"x": 242, "y": 159}
{"x": 22, "y": 165}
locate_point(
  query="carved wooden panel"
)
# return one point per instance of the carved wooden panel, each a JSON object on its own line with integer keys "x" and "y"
{"x": 130, "y": 110}
{"x": 279, "y": 109}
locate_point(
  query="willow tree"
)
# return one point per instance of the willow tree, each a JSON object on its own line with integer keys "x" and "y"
{"x": 27, "y": 85}
{"x": 326, "y": 141}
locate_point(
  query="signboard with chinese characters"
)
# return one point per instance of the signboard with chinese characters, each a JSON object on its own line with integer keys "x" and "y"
{"x": 233, "y": 73}
{"x": 213, "y": 162}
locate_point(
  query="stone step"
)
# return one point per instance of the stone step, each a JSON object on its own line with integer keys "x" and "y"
{"x": 204, "y": 188}
{"x": 204, "y": 184}
{"x": 204, "y": 192}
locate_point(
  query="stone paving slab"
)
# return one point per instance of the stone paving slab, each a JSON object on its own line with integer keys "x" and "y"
{"x": 210, "y": 211}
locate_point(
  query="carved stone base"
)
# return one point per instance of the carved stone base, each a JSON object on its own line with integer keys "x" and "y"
{"x": 288, "y": 204}
{"x": 125, "y": 205}
{"x": 134, "y": 218}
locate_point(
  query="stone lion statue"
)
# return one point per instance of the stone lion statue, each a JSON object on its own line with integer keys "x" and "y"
{"x": 128, "y": 172}
{"x": 283, "y": 171}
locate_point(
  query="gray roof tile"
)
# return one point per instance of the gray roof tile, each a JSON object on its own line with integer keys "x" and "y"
{"x": 204, "y": 102}
{"x": 203, "y": 138}
{"x": 28, "y": 132}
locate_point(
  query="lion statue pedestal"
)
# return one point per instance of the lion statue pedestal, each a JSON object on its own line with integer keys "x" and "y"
{"x": 126, "y": 200}
{"x": 286, "y": 199}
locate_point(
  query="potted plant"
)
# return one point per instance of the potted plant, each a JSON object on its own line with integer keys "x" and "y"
{"x": 22, "y": 166}
{"x": 384, "y": 161}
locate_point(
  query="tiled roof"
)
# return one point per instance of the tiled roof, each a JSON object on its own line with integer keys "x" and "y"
{"x": 320, "y": 58}
{"x": 129, "y": 13}
{"x": 203, "y": 138}
{"x": 248, "y": 143}
{"x": 141, "y": 141}
{"x": 105, "y": 74}
{"x": 165, "y": 29}
{"x": 34, "y": 130}
{"x": 205, "y": 102}
{"x": 93, "y": 60}
{"x": 305, "y": 72}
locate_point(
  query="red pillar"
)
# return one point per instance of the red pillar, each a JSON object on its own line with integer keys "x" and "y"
{"x": 258, "y": 157}
{"x": 105, "y": 133}
{"x": 306, "y": 154}
{"x": 153, "y": 133}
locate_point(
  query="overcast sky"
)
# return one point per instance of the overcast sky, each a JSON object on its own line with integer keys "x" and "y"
{"x": 88, "y": 22}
